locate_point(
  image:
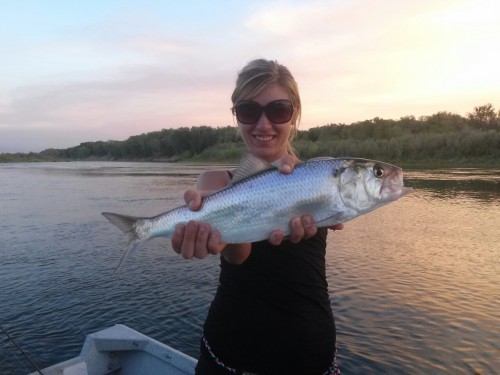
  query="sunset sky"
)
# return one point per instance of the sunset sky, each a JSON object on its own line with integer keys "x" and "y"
{"x": 76, "y": 71}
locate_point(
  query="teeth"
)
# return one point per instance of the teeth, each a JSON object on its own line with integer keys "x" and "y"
{"x": 264, "y": 138}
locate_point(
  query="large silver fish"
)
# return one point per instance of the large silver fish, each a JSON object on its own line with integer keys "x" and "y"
{"x": 331, "y": 190}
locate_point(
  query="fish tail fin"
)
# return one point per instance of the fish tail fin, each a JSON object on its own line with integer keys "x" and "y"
{"x": 128, "y": 225}
{"x": 125, "y": 223}
{"x": 132, "y": 245}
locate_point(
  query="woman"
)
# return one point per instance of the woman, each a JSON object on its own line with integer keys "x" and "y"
{"x": 271, "y": 313}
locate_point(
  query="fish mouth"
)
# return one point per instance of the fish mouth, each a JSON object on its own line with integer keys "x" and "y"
{"x": 393, "y": 187}
{"x": 395, "y": 191}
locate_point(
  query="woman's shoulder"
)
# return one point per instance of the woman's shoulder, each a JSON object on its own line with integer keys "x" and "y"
{"x": 214, "y": 179}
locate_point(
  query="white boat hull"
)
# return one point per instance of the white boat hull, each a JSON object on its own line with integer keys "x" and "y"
{"x": 121, "y": 350}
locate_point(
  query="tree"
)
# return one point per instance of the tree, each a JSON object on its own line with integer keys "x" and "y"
{"x": 484, "y": 115}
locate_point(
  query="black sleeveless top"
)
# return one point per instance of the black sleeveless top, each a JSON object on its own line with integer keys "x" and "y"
{"x": 272, "y": 314}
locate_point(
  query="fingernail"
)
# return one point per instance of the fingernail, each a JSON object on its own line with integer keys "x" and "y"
{"x": 309, "y": 221}
{"x": 192, "y": 226}
{"x": 216, "y": 237}
{"x": 287, "y": 167}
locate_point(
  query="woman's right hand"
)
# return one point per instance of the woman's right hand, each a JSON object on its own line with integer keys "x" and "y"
{"x": 196, "y": 239}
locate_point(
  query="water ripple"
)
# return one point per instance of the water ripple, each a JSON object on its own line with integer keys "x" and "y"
{"x": 414, "y": 286}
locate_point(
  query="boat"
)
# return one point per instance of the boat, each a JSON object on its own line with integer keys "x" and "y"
{"x": 120, "y": 350}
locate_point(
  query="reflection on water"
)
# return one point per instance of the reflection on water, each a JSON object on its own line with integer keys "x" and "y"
{"x": 415, "y": 285}
{"x": 482, "y": 184}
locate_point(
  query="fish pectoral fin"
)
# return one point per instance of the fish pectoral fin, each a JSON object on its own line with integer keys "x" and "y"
{"x": 249, "y": 165}
{"x": 337, "y": 218}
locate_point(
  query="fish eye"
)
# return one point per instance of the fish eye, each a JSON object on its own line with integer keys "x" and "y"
{"x": 378, "y": 171}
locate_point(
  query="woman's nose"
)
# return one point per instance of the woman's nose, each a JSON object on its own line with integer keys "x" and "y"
{"x": 263, "y": 121}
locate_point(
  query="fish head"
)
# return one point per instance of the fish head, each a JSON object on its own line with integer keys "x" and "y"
{"x": 368, "y": 184}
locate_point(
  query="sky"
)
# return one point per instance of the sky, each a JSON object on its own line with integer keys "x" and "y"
{"x": 79, "y": 71}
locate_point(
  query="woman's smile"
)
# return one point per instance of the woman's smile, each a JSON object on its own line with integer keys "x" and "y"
{"x": 264, "y": 138}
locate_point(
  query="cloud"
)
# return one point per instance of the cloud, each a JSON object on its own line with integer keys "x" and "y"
{"x": 136, "y": 99}
{"x": 385, "y": 58}
{"x": 114, "y": 76}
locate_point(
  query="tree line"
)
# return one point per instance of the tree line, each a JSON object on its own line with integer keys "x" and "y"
{"x": 442, "y": 137}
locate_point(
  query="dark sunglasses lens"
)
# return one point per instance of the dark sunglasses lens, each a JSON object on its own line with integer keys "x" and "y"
{"x": 279, "y": 111}
{"x": 248, "y": 112}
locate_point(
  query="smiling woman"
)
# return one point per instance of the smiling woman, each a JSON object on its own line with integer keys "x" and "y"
{"x": 270, "y": 106}
{"x": 263, "y": 137}
{"x": 271, "y": 312}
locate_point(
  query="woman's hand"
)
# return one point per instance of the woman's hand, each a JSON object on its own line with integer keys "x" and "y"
{"x": 301, "y": 227}
{"x": 195, "y": 239}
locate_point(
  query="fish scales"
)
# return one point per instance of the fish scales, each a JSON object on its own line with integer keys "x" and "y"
{"x": 241, "y": 214}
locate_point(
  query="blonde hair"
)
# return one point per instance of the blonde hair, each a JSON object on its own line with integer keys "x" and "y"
{"x": 258, "y": 74}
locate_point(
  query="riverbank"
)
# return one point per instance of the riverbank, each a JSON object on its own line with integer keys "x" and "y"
{"x": 486, "y": 163}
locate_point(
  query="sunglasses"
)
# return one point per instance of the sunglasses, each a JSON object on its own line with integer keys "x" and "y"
{"x": 249, "y": 112}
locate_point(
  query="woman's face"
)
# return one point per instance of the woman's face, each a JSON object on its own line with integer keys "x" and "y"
{"x": 264, "y": 139}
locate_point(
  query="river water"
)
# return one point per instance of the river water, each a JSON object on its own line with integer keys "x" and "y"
{"x": 415, "y": 285}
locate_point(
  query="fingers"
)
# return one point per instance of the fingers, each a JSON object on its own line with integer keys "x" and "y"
{"x": 302, "y": 228}
{"x": 276, "y": 237}
{"x": 310, "y": 228}
{"x": 286, "y": 164}
{"x": 178, "y": 237}
{"x": 193, "y": 199}
{"x": 183, "y": 239}
{"x": 214, "y": 245}
{"x": 337, "y": 227}
{"x": 196, "y": 240}
{"x": 297, "y": 229}
{"x": 200, "y": 241}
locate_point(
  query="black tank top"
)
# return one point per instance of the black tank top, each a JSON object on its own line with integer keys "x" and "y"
{"x": 272, "y": 314}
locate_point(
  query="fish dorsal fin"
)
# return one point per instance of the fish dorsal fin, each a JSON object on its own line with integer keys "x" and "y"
{"x": 249, "y": 165}
{"x": 321, "y": 158}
